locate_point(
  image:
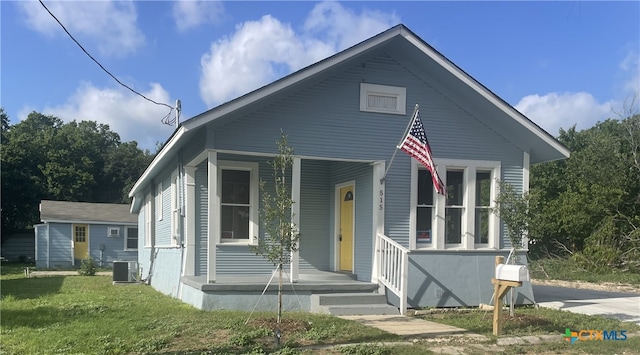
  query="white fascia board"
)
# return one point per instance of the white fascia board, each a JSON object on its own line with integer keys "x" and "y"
{"x": 484, "y": 92}
{"x": 146, "y": 175}
{"x": 112, "y": 223}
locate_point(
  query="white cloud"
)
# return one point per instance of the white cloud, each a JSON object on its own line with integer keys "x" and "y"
{"x": 342, "y": 27}
{"x": 188, "y": 14}
{"x": 110, "y": 24}
{"x": 630, "y": 66}
{"x": 554, "y": 111}
{"x": 127, "y": 114}
{"x": 261, "y": 51}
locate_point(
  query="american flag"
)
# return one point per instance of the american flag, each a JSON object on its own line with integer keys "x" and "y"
{"x": 416, "y": 145}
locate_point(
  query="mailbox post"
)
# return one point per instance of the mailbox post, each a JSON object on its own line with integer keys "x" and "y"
{"x": 506, "y": 276}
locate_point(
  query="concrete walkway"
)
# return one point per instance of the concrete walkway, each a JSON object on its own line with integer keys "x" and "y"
{"x": 45, "y": 273}
{"x": 406, "y": 326}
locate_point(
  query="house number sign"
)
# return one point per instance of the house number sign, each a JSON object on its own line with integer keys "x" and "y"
{"x": 381, "y": 203}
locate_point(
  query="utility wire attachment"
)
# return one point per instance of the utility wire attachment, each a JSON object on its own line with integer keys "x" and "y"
{"x": 163, "y": 120}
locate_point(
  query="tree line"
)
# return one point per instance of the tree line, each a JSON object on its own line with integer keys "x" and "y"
{"x": 587, "y": 207}
{"x": 44, "y": 158}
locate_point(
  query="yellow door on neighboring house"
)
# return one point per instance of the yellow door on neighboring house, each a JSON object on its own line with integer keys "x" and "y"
{"x": 346, "y": 228}
{"x": 80, "y": 241}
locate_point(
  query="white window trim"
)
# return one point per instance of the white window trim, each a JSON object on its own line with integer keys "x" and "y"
{"x": 126, "y": 237}
{"x": 110, "y": 229}
{"x": 159, "y": 201}
{"x": 148, "y": 221}
{"x": 468, "y": 220}
{"x": 400, "y": 93}
{"x": 253, "y": 168}
{"x": 175, "y": 210}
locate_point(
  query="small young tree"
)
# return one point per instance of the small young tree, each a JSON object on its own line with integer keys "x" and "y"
{"x": 281, "y": 235}
{"x": 514, "y": 210}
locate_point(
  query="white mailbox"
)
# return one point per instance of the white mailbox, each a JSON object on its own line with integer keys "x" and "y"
{"x": 512, "y": 272}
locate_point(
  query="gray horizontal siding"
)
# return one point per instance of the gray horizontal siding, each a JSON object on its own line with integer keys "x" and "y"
{"x": 42, "y": 241}
{"x": 202, "y": 218}
{"x": 59, "y": 243}
{"x": 240, "y": 260}
{"x": 325, "y": 121}
{"x": 315, "y": 231}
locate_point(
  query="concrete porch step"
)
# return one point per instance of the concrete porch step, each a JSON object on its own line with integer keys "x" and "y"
{"x": 352, "y": 304}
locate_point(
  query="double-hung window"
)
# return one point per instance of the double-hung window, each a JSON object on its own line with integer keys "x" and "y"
{"x": 148, "y": 221}
{"x": 238, "y": 183}
{"x": 455, "y": 206}
{"x": 131, "y": 238}
{"x": 425, "y": 207}
{"x": 483, "y": 206}
{"x": 462, "y": 219}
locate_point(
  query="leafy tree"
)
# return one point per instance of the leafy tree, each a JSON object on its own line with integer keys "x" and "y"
{"x": 281, "y": 235}
{"x": 589, "y": 204}
{"x": 45, "y": 158}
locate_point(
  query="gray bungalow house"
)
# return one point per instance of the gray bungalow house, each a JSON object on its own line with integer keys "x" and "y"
{"x": 362, "y": 230}
{"x": 72, "y": 231}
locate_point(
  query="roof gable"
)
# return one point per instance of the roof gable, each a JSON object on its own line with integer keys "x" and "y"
{"x": 414, "y": 53}
{"x": 65, "y": 211}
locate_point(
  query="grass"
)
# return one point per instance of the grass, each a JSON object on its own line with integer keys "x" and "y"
{"x": 528, "y": 320}
{"x": 566, "y": 269}
{"x": 543, "y": 321}
{"x": 89, "y": 315}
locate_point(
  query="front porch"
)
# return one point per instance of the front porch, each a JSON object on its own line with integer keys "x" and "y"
{"x": 241, "y": 292}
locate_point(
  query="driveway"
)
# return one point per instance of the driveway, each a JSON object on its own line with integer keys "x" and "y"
{"x": 624, "y": 306}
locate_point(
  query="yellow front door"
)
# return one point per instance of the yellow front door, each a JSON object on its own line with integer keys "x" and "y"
{"x": 346, "y": 228}
{"x": 80, "y": 241}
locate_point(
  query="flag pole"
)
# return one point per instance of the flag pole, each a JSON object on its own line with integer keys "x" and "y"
{"x": 415, "y": 110}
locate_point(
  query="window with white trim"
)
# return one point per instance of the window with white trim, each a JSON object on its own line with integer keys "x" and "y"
{"x": 238, "y": 187}
{"x": 113, "y": 232}
{"x": 462, "y": 219}
{"x": 483, "y": 206}
{"x": 175, "y": 210}
{"x": 131, "y": 238}
{"x": 425, "y": 208}
{"x": 159, "y": 201}
{"x": 454, "y": 209}
{"x": 148, "y": 221}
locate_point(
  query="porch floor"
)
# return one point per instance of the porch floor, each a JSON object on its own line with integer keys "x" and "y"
{"x": 312, "y": 281}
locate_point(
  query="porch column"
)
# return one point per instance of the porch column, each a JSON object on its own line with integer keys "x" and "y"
{"x": 213, "y": 225}
{"x": 190, "y": 217}
{"x": 295, "y": 215}
{"x": 378, "y": 214}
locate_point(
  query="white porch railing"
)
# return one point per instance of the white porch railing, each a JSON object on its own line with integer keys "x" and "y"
{"x": 393, "y": 268}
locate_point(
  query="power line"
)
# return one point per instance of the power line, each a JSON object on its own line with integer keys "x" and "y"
{"x": 166, "y": 119}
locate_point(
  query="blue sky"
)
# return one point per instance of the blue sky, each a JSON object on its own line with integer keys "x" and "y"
{"x": 559, "y": 62}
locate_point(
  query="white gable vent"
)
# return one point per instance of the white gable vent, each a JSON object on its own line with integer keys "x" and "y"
{"x": 383, "y": 99}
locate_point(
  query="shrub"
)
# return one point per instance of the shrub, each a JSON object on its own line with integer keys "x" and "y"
{"x": 87, "y": 267}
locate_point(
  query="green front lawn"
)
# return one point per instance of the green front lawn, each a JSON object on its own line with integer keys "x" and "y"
{"x": 89, "y": 315}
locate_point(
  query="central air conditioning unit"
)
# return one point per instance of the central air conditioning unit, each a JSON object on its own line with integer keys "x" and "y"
{"x": 125, "y": 271}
